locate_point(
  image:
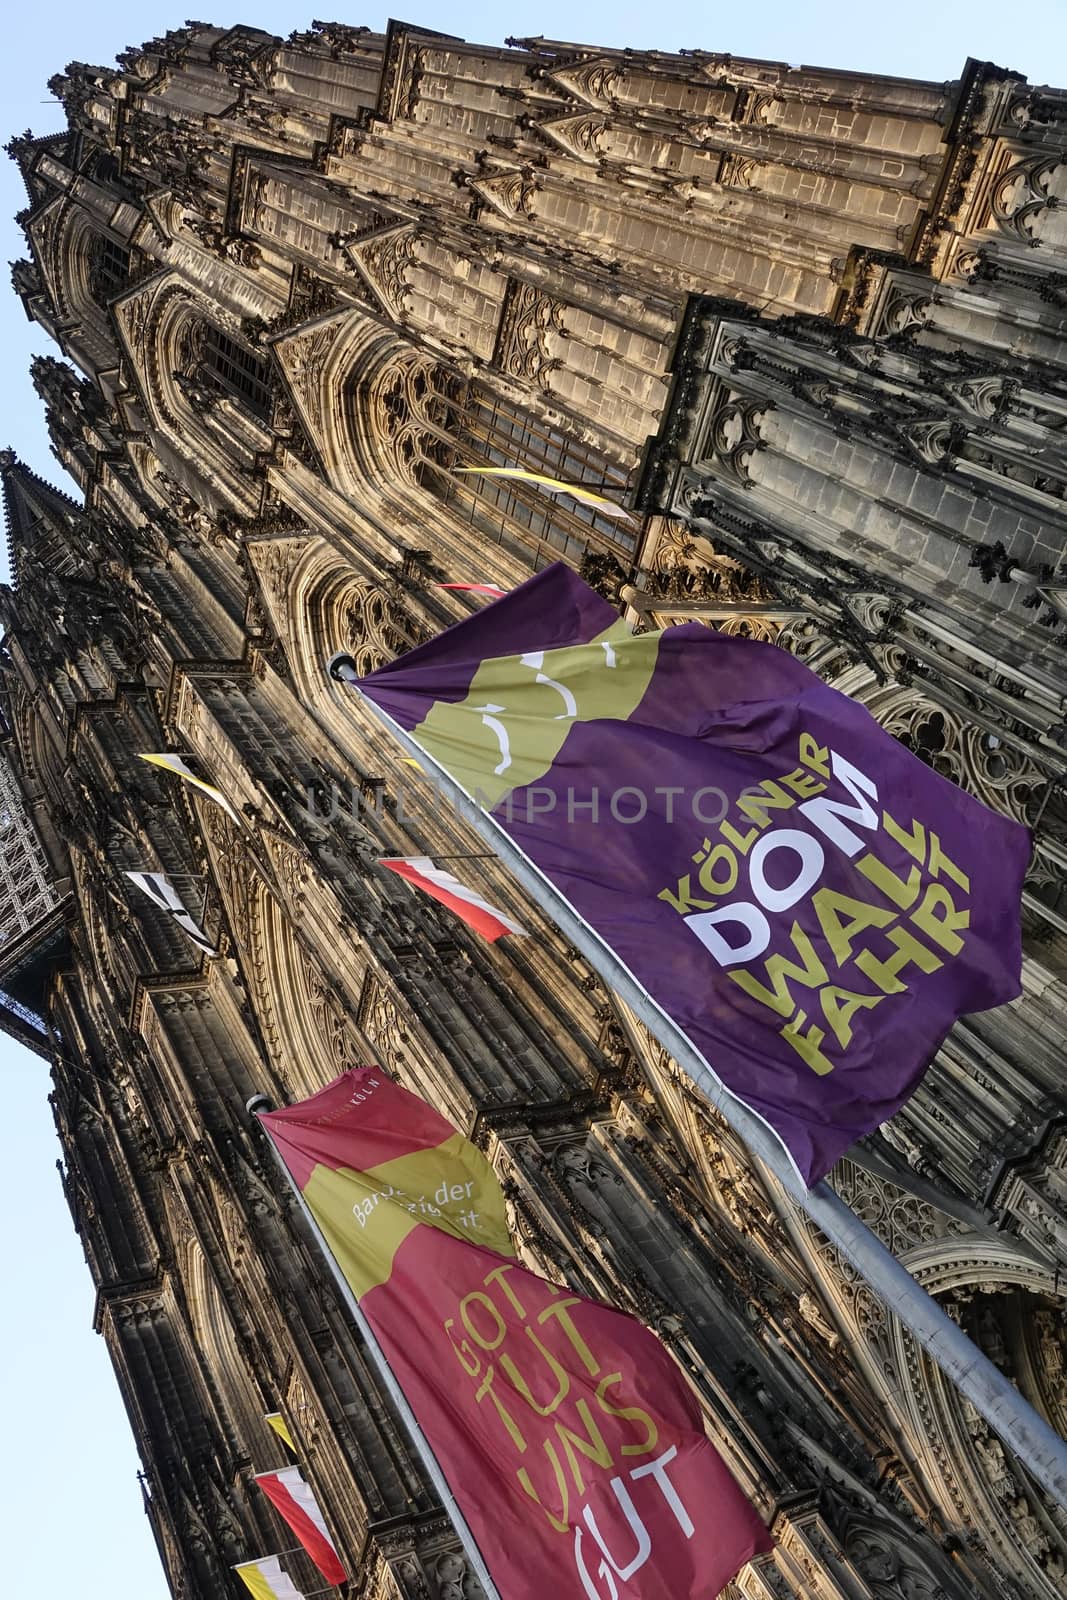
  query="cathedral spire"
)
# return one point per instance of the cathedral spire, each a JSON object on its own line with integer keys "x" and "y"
{"x": 76, "y": 88}
{"x": 24, "y": 150}
{"x": 36, "y": 514}
{"x": 74, "y": 412}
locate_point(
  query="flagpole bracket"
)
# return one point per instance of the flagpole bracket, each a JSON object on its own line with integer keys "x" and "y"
{"x": 257, "y": 1104}
{"x": 342, "y": 667}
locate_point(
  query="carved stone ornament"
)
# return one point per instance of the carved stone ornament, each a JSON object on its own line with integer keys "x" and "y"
{"x": 302, "y": 357}
{"x": 304, "y": 1412}
{"x": 1036, "y": 111}
{"x": 739, "y": 172}
{"x": 527, "y": 319}
{"x": 887, "y": 1566}
{"x": 274, "y": 561}
{"x": 595, "y": 82}
{"x": 906, "y": 309}
{"x": 380, "y": 1020}
{"x": 734, "y": 436}
{"x": 453, "y": 1578}
{"x": 1026, "y": 198}
{"x": 381, "y": 262}
{"x": 377, "y": 627}
{"x": 579, "y": 136}
{"x": 509, "y": 194}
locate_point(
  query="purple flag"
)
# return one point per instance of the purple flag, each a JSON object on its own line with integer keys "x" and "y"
{"x": 811, "y": 903}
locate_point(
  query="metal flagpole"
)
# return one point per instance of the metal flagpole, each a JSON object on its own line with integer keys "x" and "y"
{"x": 255, "y": 1561}
{"x": 714, "y": 610}
{"x": 1040, "y": 1449}
{"x": 464, "y": 855}
{"x": 294, "y": 1550}
{"x": 255, "y": 1108}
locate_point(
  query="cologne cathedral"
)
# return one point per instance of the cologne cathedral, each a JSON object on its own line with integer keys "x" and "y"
{"x": 807, "y": 327}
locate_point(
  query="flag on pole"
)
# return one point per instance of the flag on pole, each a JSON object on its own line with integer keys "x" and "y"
{"x": 172, "y": 763}
{"x": 266, "y": 1579}
{"x": 159, "y": 889}
{"x": 296, "y": 1505}
{"x": 475, "y": 588}
{"x": 467, "y": 903}
{"x": 588, "y": 497}
{"x": 811, "y": 904}
{"x": 569, "y": 1437}
{"x": 275, "y": 1420}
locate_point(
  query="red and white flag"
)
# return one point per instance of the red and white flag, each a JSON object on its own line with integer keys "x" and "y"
{"x": 467, "y": 903}
{"x": 475, "y": 588}
{"x": 296, "y": 1505}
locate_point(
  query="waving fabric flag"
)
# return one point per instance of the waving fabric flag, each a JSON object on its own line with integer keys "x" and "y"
{"x": 174, "y": 763}
{"x": 266, "y": 1579}
{"x": 588, "y": 497}
{"x": 811, "y": 904}
{"x": 159, "y": 889}
{"x": 568, "y": 1435}
{"x": 296, "y": 1505}
{"x": 475, "y": 588}
{"x": 465, "y": 902}
{"x": 278, "y": 1424}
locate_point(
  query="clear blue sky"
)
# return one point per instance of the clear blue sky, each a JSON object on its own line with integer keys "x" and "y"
{"x": 68, "y": 1490}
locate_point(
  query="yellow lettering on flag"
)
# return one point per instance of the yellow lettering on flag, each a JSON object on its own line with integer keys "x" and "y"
{"x": 265, "y": 1579}
{"x": 275, "y": 1420}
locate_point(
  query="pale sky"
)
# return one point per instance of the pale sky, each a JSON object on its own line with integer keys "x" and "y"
{"x": 70, "y": 1509}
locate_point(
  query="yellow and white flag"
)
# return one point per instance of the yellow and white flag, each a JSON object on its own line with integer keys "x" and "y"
{"x": 589, "y": 497}
{"x": 266, "y": 1580}
{"x": 275, "y": 1420}
{"x": 172, "y": 763}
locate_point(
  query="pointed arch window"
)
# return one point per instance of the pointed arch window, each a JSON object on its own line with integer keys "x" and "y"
{"x": 109, "y": 269}
{"x": 214, "y": 365}
{"x": 437, "y": 420}
{"x": 236, "y": 371}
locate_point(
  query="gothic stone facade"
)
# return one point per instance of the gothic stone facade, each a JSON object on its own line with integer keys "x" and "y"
{"x": 810, "y": 325}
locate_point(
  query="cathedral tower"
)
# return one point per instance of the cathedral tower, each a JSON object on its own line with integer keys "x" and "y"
{"x": 808, "y": 326}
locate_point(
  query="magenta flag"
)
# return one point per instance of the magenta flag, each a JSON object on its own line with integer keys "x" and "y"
{"x": 571, "y": 1440}
{"x": 811, "y": 903}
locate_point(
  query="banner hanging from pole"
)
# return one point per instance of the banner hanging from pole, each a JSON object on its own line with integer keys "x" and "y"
{"x": 175, "y": 764}
{"x": 809, "y": 902}
{"x": 278, "y": 1424}
{"x": 475, "y": 588}
{"x": 569, "y": 1437}
{"x": 424, "y": 873}
{"x": 159, "y": 889}
{"x": 557, "y": 486}
{"x": 295, "y": 1503}
{"x": 266, "y": 1579}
